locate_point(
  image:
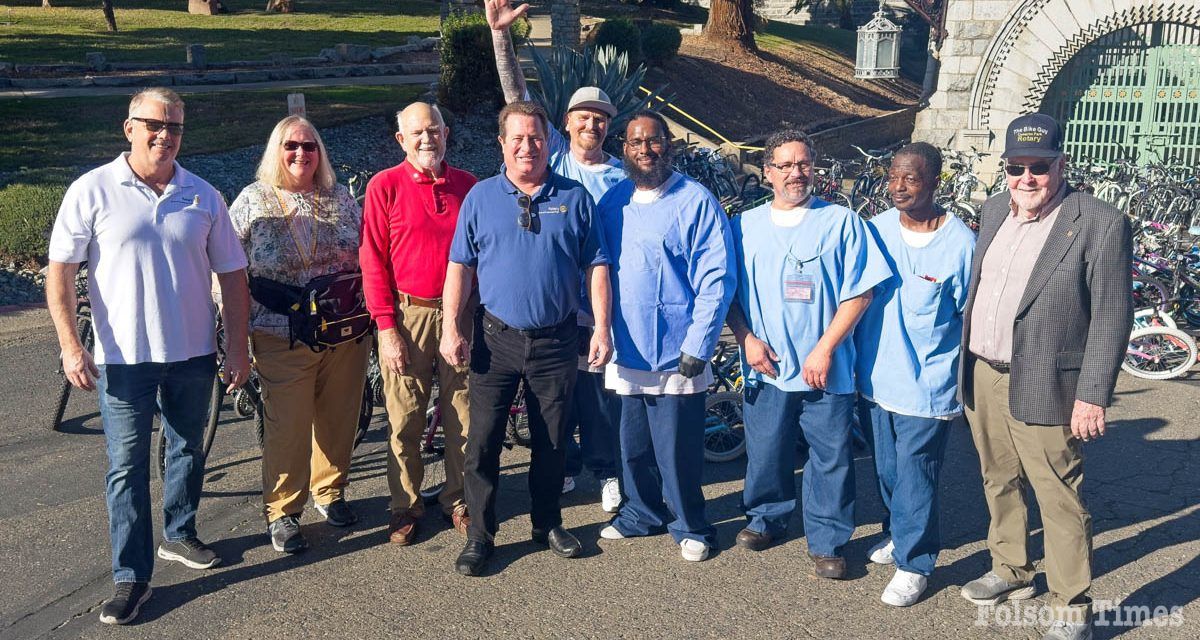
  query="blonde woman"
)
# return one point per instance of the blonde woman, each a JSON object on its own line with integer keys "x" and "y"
{"x": 295, "y": 224}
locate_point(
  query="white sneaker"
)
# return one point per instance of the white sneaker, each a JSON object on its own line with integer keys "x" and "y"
{"x": 610, "y": 533}
{"x": 881, "y": 553}
{"x": 904, "y": 589}
{"x": 693, "y": 550}
{"x": 568, "y": 484}
{"x": 610, "y": 495}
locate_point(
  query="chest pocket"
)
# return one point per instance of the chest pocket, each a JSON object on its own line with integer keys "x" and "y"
{"x": 921, "y": 303}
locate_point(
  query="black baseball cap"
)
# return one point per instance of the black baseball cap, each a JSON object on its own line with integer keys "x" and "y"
{"x": 1036, "y": 135}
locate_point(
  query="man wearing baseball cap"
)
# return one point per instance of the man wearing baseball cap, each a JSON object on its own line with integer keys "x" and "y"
{"x": 1045, "y": 329}
{"x": 583, "y": 159}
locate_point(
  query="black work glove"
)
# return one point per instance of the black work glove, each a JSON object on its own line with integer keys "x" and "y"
{"x": 691, "y": 366}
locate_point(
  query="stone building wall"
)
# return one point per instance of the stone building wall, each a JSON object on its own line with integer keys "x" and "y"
{"x": 1000, "y": 57}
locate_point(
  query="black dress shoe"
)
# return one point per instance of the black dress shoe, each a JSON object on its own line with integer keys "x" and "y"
{"x": 473, "y": 558}
{"x": 753, "y": 540}
{"x": 560, "y": 541}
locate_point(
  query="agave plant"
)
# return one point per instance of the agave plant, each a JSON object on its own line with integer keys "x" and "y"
{"x": 567, "y": 70}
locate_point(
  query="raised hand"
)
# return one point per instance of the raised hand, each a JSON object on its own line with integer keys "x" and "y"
{"x": 501, "y": 14}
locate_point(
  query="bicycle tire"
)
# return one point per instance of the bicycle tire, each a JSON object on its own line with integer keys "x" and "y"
{"x": 1151, "y": 317}
{"x": 215, "y": 400}
{"x": 83, "y": 324}
{"x": 161, "y": 451}
{"x": 966, "y": 213}
{"x": 433, "y": 459}
{"x": 517, "y": 430}
{"x": 726, "y": 441}
{"x": 366, "y": 411}
{"x": 1161, "y": 353}
{"x": 1149, "y": 293}
{"x": 838, "y": 198}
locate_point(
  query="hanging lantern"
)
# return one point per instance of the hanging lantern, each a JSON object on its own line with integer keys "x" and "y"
{"x": 878, "y": 48}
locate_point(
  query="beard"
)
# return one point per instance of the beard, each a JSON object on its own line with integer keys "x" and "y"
{"x": 648, "y": 178}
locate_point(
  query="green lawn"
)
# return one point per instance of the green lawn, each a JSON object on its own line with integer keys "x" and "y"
{"x": 158, "y": 30}
{"x": 43, "y": 136}
{"x": 779, "y": 35}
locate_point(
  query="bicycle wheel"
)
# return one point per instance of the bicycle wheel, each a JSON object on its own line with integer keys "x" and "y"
{"x": 161, "y": 451}
{"x": 1149, "y": 293}
{"x": 1159, "y": 353}
{"x": 216, "y": 398}
{"x": 1152, "y": 317}
{"x": 517, "y": 430}
{"x": 724, "y": 429}
{"x": 84, "y": 325}
{"x": 366, "y": 411}
{"x": 966, "y": 213}
{"x": 433, "y": 457}
{"x": 838, "y": 198}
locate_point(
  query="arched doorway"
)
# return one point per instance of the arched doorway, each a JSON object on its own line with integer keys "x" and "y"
{"x": 1134, "y": 92}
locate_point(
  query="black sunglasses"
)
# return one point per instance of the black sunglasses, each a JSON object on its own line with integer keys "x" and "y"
{"x": 1018, "y": 170}
{"x": 525, "y": 218}
{"x": 292, "y": 145}
{"x": 154, "y": 126}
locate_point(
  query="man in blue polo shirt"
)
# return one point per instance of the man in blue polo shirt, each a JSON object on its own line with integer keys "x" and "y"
{"x": 581, "y": 158}
{"x": 807, "y": 268}
{"x": 527, "y": 234}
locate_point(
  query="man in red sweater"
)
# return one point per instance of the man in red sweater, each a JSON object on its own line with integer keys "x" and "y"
{"x": 408, "y": 222}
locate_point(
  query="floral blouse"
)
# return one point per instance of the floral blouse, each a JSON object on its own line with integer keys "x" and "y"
{"x": 293, "y": 238}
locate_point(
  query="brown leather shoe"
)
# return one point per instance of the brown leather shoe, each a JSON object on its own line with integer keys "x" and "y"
{"x": 753, "y": 540}
{"x": 402, "y": 529}
{"x": 833, "y": 567}
{"x": 460, "y": 519}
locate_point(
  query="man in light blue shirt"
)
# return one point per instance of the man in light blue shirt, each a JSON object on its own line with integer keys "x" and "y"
{"x": 673, "y": 280}
{"x": 807, "y": 269}
{"x": 581, "y": 158}
{"x": 907, "y": 369}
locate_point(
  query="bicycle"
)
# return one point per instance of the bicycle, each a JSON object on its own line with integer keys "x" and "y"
{"x": 83, "y": 325}
{"x": 1159, "y": 353}
{"x": 724, "y": 427}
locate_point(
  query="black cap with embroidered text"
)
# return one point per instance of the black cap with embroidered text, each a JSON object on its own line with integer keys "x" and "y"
{"x": 1036, "y": 135}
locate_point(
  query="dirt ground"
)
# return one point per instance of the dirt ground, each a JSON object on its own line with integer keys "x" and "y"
{"x": 744, "y": 97}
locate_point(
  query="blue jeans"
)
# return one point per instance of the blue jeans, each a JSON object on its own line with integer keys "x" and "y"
{"x": 130, "y": 395}
{"x": 908, "y": 460}
{"x": 662, "y": 463}
{"x": 772, "y": 417}
{"x": 597, "y": 413}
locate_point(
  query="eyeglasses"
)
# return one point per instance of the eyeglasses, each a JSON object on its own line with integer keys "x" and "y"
{"x": 525, "y": 218}
{"x": 786, "y": 167}
{"x": 292, "y": 145}
{"x": 1037, "y": 169}
{"x": 656, "y": 142}
{"x": 154, "y": 126}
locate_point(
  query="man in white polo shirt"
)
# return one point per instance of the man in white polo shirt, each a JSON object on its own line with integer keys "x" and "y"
{"x": 152, "y": 235}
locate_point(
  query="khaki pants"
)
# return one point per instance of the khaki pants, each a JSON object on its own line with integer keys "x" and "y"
{"x": 311, "y": 405}
{"x": 1049, "y": 459}
{"x": 407, "y": 398}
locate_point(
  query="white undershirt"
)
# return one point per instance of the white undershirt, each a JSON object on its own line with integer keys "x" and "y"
{"x": 646, "y": 196}
{"x": 788, "y": 218}
{"x": 917, "y": 239}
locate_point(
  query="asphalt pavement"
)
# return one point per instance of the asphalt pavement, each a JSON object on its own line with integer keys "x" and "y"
{"x": 1141, "y": 484}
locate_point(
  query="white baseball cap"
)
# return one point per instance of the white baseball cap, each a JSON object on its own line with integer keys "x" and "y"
{"x": 592, "y": 98}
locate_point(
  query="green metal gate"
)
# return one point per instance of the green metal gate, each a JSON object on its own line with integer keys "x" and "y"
{"x": 1132, "y": 93}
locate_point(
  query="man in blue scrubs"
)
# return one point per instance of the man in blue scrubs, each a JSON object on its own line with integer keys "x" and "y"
{"x": 807, "y": 268}
{"x": 527, "y": 234}
{"x": 672, "y": 284}
{"x": 581, "y": 158}
{"x": 908, "y": 356}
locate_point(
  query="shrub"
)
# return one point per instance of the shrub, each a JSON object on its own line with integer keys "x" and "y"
{"x": 468, "y": 62}
{"x": 621, "y": 34}
{"x": 660, "y": 43}
{"x": 27, "y": 213}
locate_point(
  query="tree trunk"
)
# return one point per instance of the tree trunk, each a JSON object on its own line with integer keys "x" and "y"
{"x": 282, "y": 6}
{"x": 107, "y": 7}
{"x": 730, "y": 22}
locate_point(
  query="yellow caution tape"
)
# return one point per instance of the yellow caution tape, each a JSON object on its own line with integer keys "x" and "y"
{"x": 702, "y": 125}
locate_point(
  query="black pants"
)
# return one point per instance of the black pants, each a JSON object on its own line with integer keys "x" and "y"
{"x": 501, "y": 358}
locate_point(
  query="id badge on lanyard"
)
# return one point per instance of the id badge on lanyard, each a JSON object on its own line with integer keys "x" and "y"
{"x": 797, "y": 285}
